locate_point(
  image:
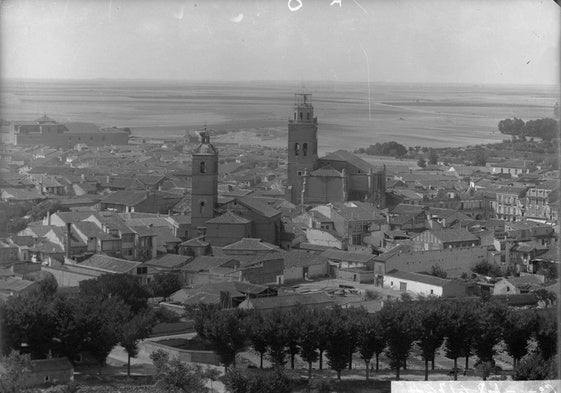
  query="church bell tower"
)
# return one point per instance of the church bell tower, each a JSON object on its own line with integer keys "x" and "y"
{"x": 204, "y": 195}
{"x": 302, "y": 145}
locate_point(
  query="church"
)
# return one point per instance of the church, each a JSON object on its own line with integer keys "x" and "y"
{"x": 337, "y": 177}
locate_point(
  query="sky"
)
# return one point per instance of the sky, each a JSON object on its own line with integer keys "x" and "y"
{"x": 411, "y": 41}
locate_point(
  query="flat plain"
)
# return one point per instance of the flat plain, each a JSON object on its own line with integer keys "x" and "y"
{"x": 350, "y": 115}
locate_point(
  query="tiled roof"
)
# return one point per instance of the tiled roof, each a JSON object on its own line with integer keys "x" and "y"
{"x": 109, "y": 264}
{"x": 347, "y": 256}
{"x": 228, "y": 218}
{"x": 11, "y": 284}
{"x": 418, "y": 277}
{"x": 258, "y": 206}
{"x": 206, "y": 263}
{"x": 343, "y": 155}
{"x": 250, "y": 244}
{"x": 304, "y": 299}
{"x": 72, "y": 217}
{"x": 454, "y": 235}
{"x": 125, "y": 197}
{"x": 169, "y": 261}
{"x": 195, "y": 242}
{"x": 327, "y": 171}
{"x": 21, "y": 194}
{"x": 302, "y": 258}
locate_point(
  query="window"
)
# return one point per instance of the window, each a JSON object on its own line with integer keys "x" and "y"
{"x": 508, "y": 289}
{"x": 301, "y": 116}
{"x": 431, "y": 292}
{"x": 308, "y": 116}
{"x": 47, "y": 378}
{"x": 296, "y": 149}
{"x": 203, "y": 167}
{"x": 299, "y": 173}
{"x": 305, "y": 149}
{"x": 202, "y": 207}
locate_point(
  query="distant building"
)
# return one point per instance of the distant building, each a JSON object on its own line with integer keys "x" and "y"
{"x": 337, "y": 177}
{"x": 45, "y": 131}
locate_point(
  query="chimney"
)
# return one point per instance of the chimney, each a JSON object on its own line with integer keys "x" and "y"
{"x": 68, "y": 232}
{"x": 48, "y": 217}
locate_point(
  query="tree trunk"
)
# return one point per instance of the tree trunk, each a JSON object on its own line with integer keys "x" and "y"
{"x": 234, "y": 361}
{"x": 321, "y": 359}
{"x": 467, "y": 365}
{"x": 367, "y": 362}
{"x": 377, "y": 355}
{"x": 129, "y": 366}
{"x": 292, "y": 355}
{"x": 339, "y": 375}
{"x": 455, "y": 369}
{"x": 309, "y": 371}
{"x": 261, "y": 360}
{"x": 426, "y": 369}
{"x": 432, "y": 365}
{"x": 405, "y": 364}
{"x": 397, "y": 372}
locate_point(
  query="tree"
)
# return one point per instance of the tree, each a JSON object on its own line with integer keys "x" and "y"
{"x": 546, "y": 333}
{"x": 487, "y": 269}
{"x": 432, "y": 328}
{"x": 370, "y": 340}
{"x": 437, "y": 271}
{"x": 517, "y": 331}
{"x": 276, "y": 331}
{"x": 103, "y": 322}
{"x": 458, "y": 330}
{"x": 15, "y": 365}
{"x": 400, "y": 324}
{"x": 226, "y": 330}
{"x": 258, "y": 334}
{"x": 480, "y": 158}
{"x": 511, "y": 126}
{"x": 421, "y": 163}
{"x": 339, "y": 340}
{"x": 293, "y": 332}
{"x": 124, "y": 286}
{"x": 134, "y": 330}
{"x": 308, "y": 340}
{"x": 163, "y": 285}
{"x": 433, "y": 157}
{"x": 28, "y": 320}
{"x": 490, "y": 317}
{"x": 173, "y": 375}
{"x": 47, "y": 282}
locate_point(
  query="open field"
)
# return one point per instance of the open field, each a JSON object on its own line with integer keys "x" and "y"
{"x": 412, "y": 114}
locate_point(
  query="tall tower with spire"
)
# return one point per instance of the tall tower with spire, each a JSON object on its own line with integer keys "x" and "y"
{"x": 204, "y": 195}
{"x": 302, "y": 145}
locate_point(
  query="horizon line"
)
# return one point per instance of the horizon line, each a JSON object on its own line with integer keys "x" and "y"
{"x": 101, "y": 79}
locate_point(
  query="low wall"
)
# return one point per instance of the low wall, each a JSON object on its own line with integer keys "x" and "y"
{"x": 205, "y": 357}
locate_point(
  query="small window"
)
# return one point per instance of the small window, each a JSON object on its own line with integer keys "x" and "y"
{"x": 431, "y": 292}
{"x": 202, "y": 207}
{"x": 47, "y": 379}
{"x": 301, "y": 116}
{"x": 296, "y": 149}
{"x": 508, "y": 289}
{"x": 203, "y": 167}
{"x": 299, "y": 173}
{"x": 305, "y": 149}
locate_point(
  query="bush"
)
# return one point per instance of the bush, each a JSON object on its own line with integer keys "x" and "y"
{"x": 371, "y": 294}
{"x": 535, "y": 367}
{"x": 275, "y": 382}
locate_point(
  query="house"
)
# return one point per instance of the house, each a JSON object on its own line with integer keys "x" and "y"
{"x": 540, "y": 201}
{"x": 514, "y": 168}
{"x": 15, "y": 286}
{"x": 352, "y": 266}
{"x": 249, "y": 246}
{"x": 424, "y": 284}
{"x": 444, "y": 238}
{"x": 303, "y": 265}
{"x": 21, "y": 195}
{"x": 509, "y": 203}
{"x": 232, "y": 293}
{"x": 71, "y": 274}
{"x": 288, "y": 302}
{"x": 140, "y": 201}
{"x": 352, "y": 221}
{"x": 517, "y": 285}
{"x": 53, "y": 371}
{"x": 227, "y": 228}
